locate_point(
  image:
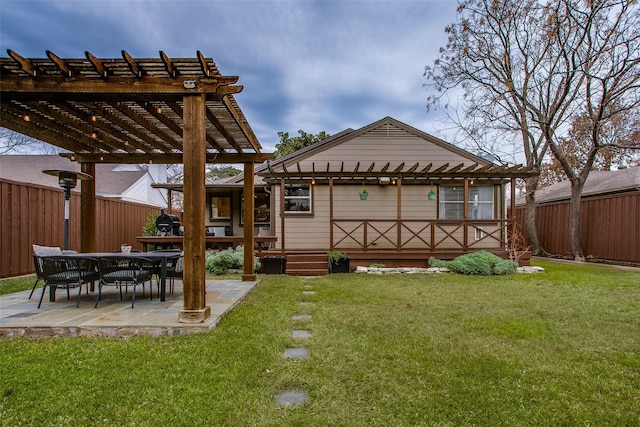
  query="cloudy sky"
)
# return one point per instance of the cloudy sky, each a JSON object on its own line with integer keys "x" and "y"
{"x": 310, "y": 65}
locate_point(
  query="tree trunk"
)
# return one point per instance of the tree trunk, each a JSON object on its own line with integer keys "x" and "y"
{"x": 530, "y": 216}
{"x": 575, "y": 237}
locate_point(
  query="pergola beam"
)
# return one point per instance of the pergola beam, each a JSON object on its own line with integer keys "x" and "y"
{"x": 165, "y": 158}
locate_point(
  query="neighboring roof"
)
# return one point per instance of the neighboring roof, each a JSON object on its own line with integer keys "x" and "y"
{"x": 598, "y": 183}
{"x": 28, "y": 168}
{"x": 123, "y": 110}
{"x": 293, "y": 165}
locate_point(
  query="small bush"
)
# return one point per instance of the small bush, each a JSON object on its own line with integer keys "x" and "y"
{"x": 223, "y": 261}
{"x": 376, "y": 265}
{"x": 480, "y": 263}
{"x": 149, "y": 228}
{"x": 438, "y": 263}
{"x": 335, "y": 257}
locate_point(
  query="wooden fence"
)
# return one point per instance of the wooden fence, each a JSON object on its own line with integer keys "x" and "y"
{"x": 35, "y": 214}
{"x": 610, "y": 226}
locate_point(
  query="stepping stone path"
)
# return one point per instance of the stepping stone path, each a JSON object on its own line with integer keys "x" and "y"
{"x": 297, "y": 397}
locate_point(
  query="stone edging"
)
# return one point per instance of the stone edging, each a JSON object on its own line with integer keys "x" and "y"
{"x": 434, "y": 270}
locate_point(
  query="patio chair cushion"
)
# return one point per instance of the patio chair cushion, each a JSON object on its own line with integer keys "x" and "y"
{"x": 46, "y": 250}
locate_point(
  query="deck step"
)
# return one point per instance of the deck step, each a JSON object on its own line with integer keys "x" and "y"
{"x": 307, "y": 264}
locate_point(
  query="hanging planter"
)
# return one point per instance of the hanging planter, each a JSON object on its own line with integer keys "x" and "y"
{"x": 364, "y": 193}
{"x": 432, "y": 194}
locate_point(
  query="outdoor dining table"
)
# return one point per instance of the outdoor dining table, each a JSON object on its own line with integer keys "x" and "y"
{"x": 160, "y": 257}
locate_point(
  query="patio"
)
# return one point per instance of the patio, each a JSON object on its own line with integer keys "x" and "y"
{"x": 113, "y": 318}
{"x": 137, "y": 111}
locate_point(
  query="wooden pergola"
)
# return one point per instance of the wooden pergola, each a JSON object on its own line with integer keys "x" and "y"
{"x": 416, "y": 173}
{"x": 126, "y": 110}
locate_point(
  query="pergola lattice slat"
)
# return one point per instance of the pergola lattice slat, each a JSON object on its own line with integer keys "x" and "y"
{"x": 413, "y": 172}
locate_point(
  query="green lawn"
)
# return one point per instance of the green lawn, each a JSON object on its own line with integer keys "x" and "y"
{"x": 557, "y": 348}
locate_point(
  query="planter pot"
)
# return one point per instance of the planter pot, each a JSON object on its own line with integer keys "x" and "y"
{"x": 339, "y": 266}
{"x": 274, "y": 264}
{"x": 363, "y": 196}
{"x": 125, "y": 249}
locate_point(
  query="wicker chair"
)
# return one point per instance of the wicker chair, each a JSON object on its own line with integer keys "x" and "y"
{"x": 66, "y": 272}
{"x": 124, "y": 271}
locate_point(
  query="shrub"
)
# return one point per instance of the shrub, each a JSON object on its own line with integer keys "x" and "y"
{"x": 149, "y": 228}
{"x": 377, "y": 265}
{"x": 480, "y": 263}
{"x": 438, "y": 263}
{"x": 231, "y": 258}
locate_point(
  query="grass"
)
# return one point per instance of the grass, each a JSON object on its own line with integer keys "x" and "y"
{"x": 557, "y": 348}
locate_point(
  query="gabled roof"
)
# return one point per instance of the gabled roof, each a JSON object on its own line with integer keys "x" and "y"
{"x": 419, "y": 166}
{"x": 28, "y": 169}
{"x": 598, "y": 183}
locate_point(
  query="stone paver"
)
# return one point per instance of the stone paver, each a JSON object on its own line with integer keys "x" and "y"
{"x": 301, "y": 333}
{"x": 296, "y": 353}
{"x": 291, "y": 398}
{"x": 301, "y": 316}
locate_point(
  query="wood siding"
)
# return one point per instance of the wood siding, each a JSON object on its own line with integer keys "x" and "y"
{"x": 379, "y": 224}
{"x": 33, "y": 214}
{"x": 386, "y": 144}
{"x": 610, "y": 226}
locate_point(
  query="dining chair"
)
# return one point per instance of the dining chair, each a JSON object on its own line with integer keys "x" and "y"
{"x": 125, "y": 271}
{"x": 67, "y": 272}
{"x": 174, "y": 269}
{"x": 37, "y": 263}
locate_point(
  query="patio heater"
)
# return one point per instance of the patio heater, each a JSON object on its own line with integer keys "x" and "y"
{"x": 67, "y": 180}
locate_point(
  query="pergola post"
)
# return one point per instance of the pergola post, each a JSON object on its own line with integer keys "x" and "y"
{"x": 194, "y": 159}
{"x": 88, "y": 209}
{"x": 248, "y": 205}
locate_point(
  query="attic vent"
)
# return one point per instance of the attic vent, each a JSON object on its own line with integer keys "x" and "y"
{"x": 387, "y": 131}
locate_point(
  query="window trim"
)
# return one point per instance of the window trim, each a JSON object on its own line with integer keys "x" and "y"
{"x": 211, "y": 207}
{"x": 309, "y": 197}
{"x": 465, "y": 204}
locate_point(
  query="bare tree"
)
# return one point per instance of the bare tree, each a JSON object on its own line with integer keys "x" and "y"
{"x": 498, "y": 55}
{"x": 600, "y": 39}
{"x": 618, "y": 147}
{"x": 532, "y": 69}
{"x": 16, "y": 143}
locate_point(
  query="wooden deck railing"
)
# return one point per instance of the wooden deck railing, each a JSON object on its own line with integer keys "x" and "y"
{"x": 428, "y": 235}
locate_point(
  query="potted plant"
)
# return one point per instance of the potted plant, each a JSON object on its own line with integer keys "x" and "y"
{"x": 125, "y": 249}
{"x": 338, "y": 262}
{"x": 364, "y": 193}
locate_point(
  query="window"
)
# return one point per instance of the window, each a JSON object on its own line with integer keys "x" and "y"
{"x": 297, "y": 198}
{"x": 220, "y": 207}
{"x": 261, "y": 208}
{"x": 480, "y": 203}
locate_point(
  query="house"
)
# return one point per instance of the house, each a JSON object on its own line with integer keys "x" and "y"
{"x": 424, "y": 197}
{"x": 129, "y": 182}
{"x": 609, "y": 215}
